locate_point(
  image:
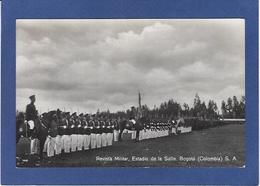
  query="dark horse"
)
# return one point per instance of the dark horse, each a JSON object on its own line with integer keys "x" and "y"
{"x": 128, "y": 124}
{"x": 40, "y": 130}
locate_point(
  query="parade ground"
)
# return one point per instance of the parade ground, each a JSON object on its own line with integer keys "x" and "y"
{"x": 214, "y": 147}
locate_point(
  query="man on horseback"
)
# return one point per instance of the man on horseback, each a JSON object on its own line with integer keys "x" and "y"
{"x": 39, "y": 128}
{"x": 31, "y": 115}
{"x": 31, "y": 112}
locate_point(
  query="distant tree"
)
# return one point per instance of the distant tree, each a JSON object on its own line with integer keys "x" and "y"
{"x": 242, "y": 105}
{"x": 186, "y": 109}
{"x": 203, "y": 110}
{"x": 223, "y": 108}
{"x": 197, "y": 105}
{"x": 191, "y": 112}
{"x": 236, "y": 109}
{"x": 215, "y": 108}
{"x": 145, "y": 110}
{"x": 229, "y": 107}
{"x": 212, "y": 109}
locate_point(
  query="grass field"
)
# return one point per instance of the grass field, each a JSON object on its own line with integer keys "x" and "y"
{"x": 214, "y": 147}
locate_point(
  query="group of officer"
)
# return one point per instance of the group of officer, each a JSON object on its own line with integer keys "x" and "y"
{"x": 76, "y": 133}
{"x": 71, "y": 132}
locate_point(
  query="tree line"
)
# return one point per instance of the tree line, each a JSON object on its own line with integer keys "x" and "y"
{"x": 231, "y": 108}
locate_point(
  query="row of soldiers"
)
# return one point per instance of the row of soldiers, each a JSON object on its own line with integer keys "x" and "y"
{"x": 71, "y": 132}
{"x": 65, "y": 124}
{"x": 86, "y": 124}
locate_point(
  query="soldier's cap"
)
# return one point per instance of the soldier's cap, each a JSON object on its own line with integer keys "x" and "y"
{"x": 32, "y": 96}
{"x": 74, "y": 114}
{"x": 81, "y": 114}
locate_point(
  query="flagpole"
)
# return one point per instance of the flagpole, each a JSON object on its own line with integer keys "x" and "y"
{"x": 140, "y": 104}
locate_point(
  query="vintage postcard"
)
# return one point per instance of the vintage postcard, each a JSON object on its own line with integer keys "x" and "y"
{"x": 130, "y": 93}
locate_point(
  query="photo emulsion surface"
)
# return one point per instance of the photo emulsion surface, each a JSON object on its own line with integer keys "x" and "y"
{"x": 130, "y": 93}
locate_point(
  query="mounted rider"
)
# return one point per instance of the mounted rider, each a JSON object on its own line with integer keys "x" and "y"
{"x": 31, "y": 115}
{"x": 31, "y": 112}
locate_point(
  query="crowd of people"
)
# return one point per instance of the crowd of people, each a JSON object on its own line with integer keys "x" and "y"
{"x": 72, "y": 132}
{"x": 68, "y": 132}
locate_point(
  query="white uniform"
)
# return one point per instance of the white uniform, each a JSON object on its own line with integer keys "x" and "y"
{"x": 50, "y": 146}
{"x": 74, "y": 142}
{"x": 109, "y": 139}
{"x": 116, "y": 135}
{"x": 66, "y": 143}
{"x": 141, "y": 133}
{"x": 133, "y": 135}
{"x": 93, "y": 140}
{"x": 104, "y": 138}
{"x": 34, "y": 146}
{"x": 98, "y": 136}
{"x": 86, "y": 141}
{"x": 45, "y": 144}
{"x": 58, "y": 144}
{"x": 80, "y": 142}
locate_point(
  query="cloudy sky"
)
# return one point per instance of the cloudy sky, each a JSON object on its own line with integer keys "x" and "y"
{"x": 83, "y": 65}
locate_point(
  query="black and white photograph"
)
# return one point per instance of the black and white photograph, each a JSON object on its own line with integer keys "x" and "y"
{"x": 130, "y": 93}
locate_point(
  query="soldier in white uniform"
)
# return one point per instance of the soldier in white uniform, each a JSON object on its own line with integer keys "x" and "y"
{"x": 79, "y": 132}
{"x": 53, "y": 132}
{"x": 87, "y": 133}
{"x": 66, "y": 138}
{"x": 73, "y": 133}
{"x": 93, "y": 139}
{"x": 99, "y": 133}
{"x": 104, "y": 133}
{"x": 110, "y": 130}
{"x": 116, "y": 129}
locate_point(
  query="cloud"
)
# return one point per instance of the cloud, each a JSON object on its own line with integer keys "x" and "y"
{"x": 91, "y": 64}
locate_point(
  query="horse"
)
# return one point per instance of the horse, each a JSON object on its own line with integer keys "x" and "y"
{"x": 136, "y": 125}
{"x": 39, "y": 128}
